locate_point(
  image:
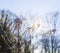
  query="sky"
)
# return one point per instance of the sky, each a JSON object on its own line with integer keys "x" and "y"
{"x": 30, "y": 6}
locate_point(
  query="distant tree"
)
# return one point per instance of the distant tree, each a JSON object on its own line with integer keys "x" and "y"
{"x": 53, "y": 21}
{"x": 27, "y": 47}
{"x": 45, "y": 43}
{"x": 18, "y": 24}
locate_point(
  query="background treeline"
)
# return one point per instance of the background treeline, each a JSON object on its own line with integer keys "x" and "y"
{"x": 12, "y": 41}
{"x": 50, "y": 40}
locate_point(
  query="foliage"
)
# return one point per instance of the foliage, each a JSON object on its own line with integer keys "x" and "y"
{"x": 6, "y": 37}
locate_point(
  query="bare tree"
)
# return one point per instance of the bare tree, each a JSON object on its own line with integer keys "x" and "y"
{"x": 18, "y": 24}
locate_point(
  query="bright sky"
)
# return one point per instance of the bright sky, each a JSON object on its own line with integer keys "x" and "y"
{"x": 33, "y": 6}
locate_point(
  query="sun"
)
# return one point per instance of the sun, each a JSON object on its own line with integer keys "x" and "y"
{"x": 35, "y": 26}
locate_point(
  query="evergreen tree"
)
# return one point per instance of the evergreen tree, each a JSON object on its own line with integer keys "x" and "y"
{"x": 5, "y": 34}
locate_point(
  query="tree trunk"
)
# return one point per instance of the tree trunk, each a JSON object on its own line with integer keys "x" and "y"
{"x": 52, "y": 44}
